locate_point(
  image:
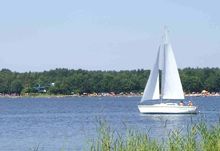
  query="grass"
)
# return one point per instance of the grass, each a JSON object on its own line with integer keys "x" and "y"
{"x": 198, "y": 138}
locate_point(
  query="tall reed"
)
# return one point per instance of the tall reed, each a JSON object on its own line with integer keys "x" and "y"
{"x": 197, "y": 138}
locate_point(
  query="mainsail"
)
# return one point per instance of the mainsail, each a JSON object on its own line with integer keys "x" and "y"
{"x": 151, "y": 91}
{"x": 171, "y": 84}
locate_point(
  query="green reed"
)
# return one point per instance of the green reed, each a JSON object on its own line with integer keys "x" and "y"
{"x": 198, "y": 137}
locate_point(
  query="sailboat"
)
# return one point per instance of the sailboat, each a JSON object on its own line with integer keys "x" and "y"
{"x": 171, "y": 87}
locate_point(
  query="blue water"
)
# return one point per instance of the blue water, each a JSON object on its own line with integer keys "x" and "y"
{"x": 55, "y": 124}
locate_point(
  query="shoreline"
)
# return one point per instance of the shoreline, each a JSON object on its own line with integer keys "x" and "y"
{"x": 213, "y": 94}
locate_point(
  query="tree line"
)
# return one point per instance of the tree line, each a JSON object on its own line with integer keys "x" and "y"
{"x": 65, "y": 81}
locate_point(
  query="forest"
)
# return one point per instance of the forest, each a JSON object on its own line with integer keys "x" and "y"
{"x": 66, "y": 82}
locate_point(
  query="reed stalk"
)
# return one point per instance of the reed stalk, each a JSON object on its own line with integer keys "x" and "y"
{"x": 199, "y": 137}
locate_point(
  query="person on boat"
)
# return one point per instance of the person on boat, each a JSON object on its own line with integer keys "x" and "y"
{"x": 190, "y": 103}
{"x": 181, "y": 103}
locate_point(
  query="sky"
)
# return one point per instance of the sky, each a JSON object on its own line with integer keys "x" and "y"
{"x": 38, "y": 35}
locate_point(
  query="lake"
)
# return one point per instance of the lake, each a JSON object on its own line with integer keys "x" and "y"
{"x": 69, "y": 123}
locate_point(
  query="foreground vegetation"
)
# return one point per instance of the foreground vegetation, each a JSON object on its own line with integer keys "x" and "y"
{"x": 67, "y": 82}
{"x": 199, "y": 137}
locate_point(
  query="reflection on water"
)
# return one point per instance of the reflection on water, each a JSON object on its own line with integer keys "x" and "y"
{"x": 161, "y": 125}
{"x": 167, "y": 116}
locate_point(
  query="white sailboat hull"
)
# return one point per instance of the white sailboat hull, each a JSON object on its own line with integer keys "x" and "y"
{"x": 166, "y": 108}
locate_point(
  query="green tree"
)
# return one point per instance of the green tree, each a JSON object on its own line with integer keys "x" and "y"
{"x": 16, "y": 87}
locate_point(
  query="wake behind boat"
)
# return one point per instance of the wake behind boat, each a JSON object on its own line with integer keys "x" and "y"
{"x": 171, "y": 87}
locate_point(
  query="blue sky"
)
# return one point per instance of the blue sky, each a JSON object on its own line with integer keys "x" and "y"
{"x": 41, "y": 35}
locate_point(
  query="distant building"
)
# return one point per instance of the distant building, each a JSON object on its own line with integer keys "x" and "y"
{"x": 40, "y": 89}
